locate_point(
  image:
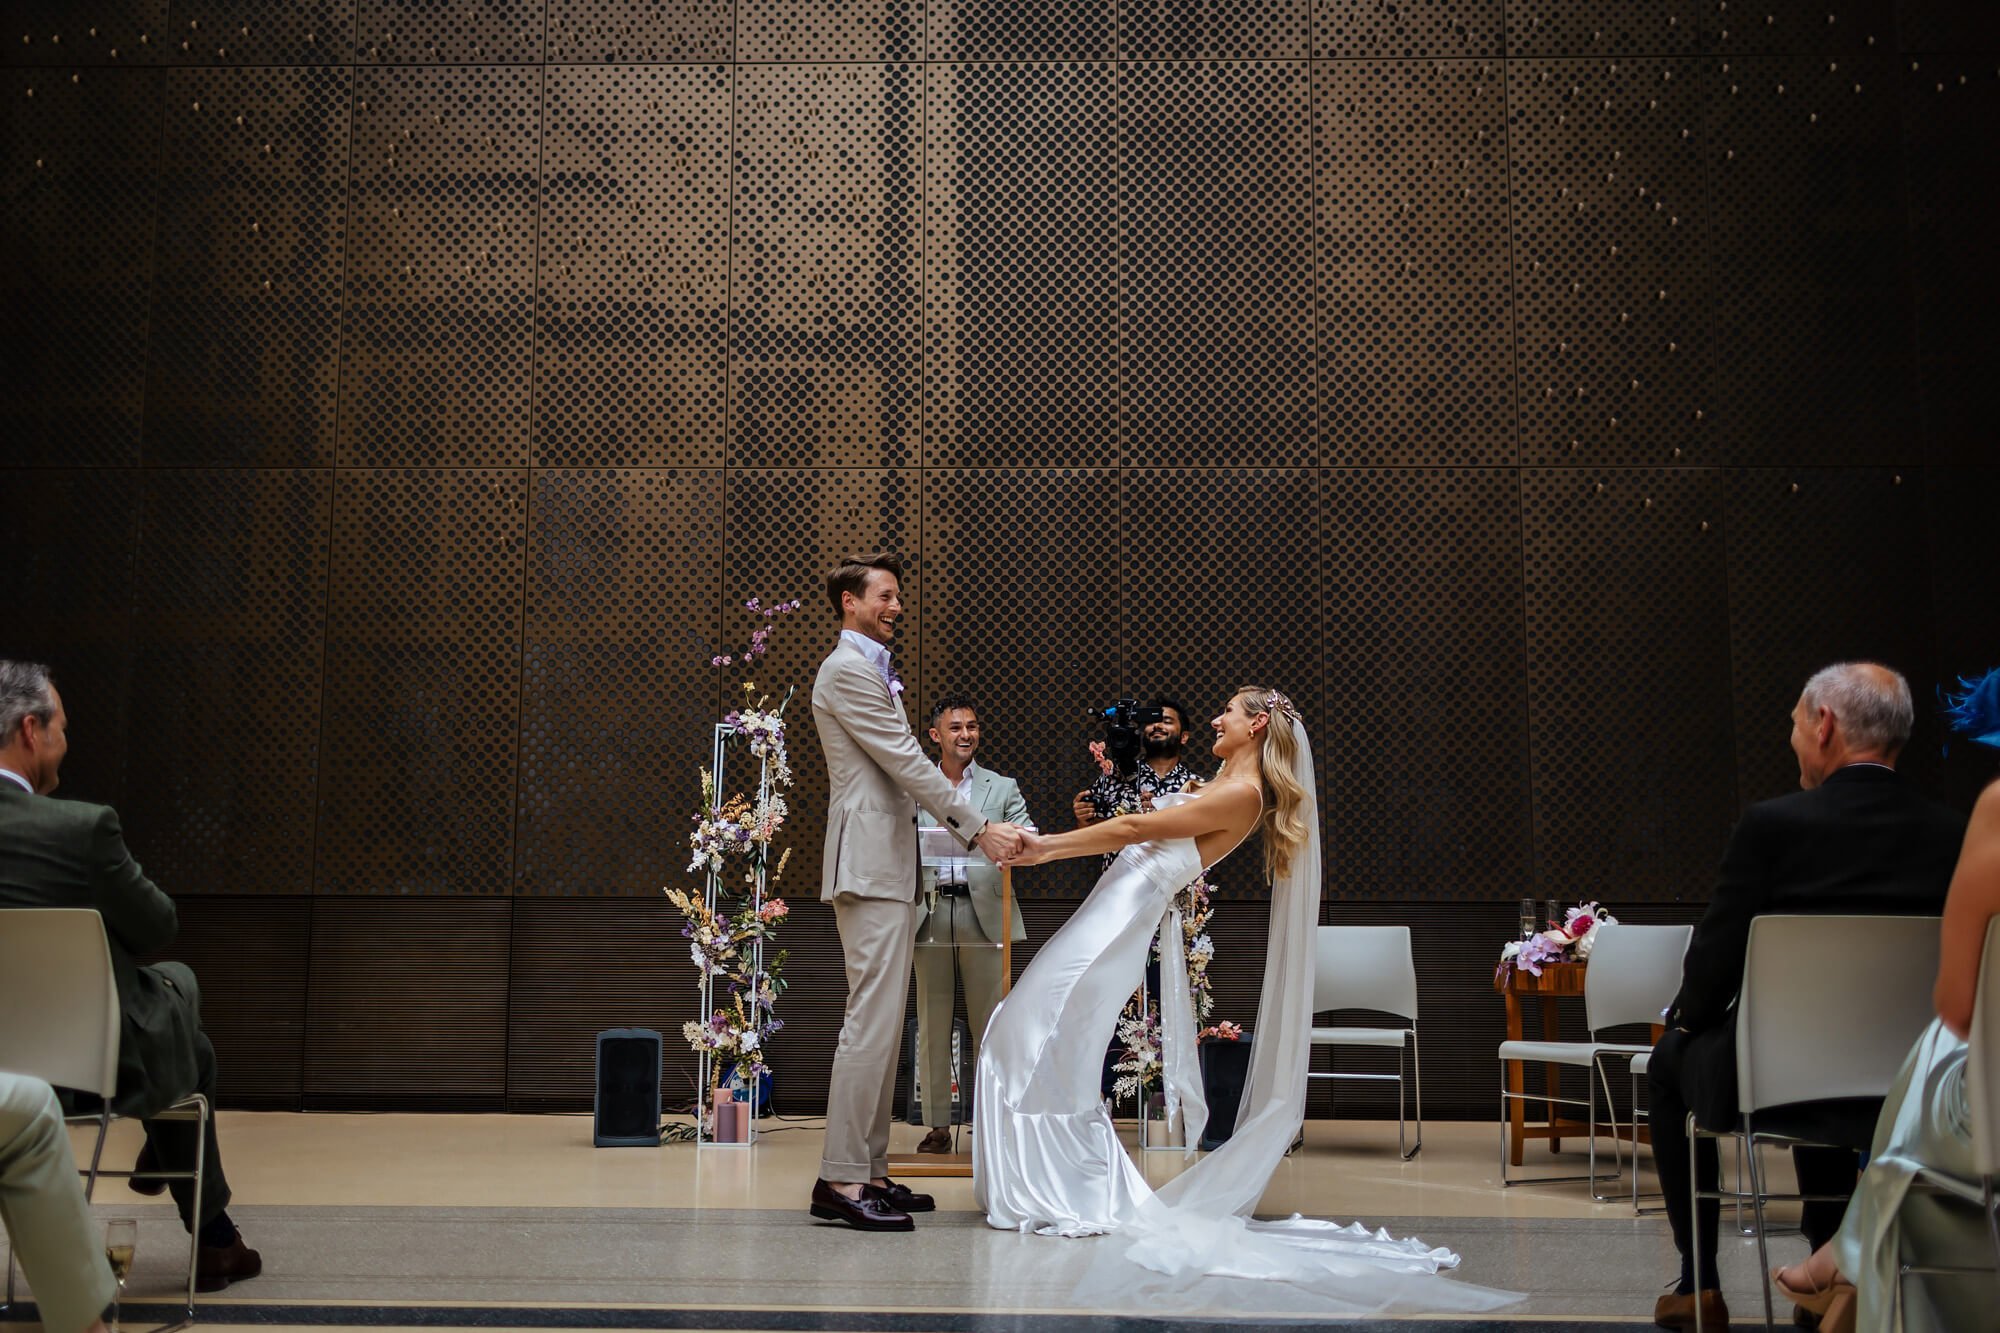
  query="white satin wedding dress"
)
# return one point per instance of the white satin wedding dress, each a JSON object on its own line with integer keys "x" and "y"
{"x": 1046, "y": 1157}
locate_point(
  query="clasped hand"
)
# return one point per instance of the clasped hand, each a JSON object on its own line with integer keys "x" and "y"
{"x": 1010, "y": 845}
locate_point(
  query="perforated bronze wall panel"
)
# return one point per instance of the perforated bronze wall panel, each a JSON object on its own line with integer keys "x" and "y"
{"x": 1215, "y": 565}
{"x": 427, "y": 32}
{"x": 1345, "y": 29}
{"x": 63, "y": 33}
{"x": 252, "y": 958}
{"x": 80, "y": 179}
{"x": 1021, "y": 269}
{"x": 1951, "y": 118}
{"x": 1813, "y": 337}
{"x": 1543, "y": 28}
{"x": 1023, "y": 571}
{"x": 68, "y": 556}
{"x": 1217, "y": 264}
{"x": 1425, "y": 746}
{"x": 251, "y": 235}
{"x": 1946, "y": 25}
{"x": 621, "y": 31}
{"x": 1612, "y": 292}
{"x": 828, "y": 30}
{"x": 1003, "y": 30}
{"x": 423, "y": 682}
{"x": 1409, "y": 163}
{"x": 826, "y": 307}
{"x": 438, "y": 335}
{"x": 1214, "y": 29}
{"x": 617, "y": 695}
{"x": 1825, "y": 565}
{"x": 375, "y": 964}
{"x": 257, "y": 32}
{"x": 228, "y": 621}
{"x": 1959, "y": 511}
{"x": 634, "y": 295}
{"x": 1628, "y": 696}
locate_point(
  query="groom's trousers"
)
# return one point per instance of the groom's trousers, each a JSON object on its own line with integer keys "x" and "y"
{"x": 876, "y": 935}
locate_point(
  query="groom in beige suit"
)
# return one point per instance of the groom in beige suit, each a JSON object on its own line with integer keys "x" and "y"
{"x": 876, "y": 777}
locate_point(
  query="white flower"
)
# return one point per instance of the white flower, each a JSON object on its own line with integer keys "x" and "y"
{"x": 1586, "y": 944}
{"x": 749, "y": 1042}
{"x": 1510, "y": 948}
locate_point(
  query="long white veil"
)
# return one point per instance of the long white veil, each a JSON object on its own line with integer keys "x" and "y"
{"x": 1193, "y": 1248}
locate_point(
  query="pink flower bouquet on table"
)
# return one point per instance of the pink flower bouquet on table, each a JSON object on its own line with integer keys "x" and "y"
{"x": 1565, "y": 941}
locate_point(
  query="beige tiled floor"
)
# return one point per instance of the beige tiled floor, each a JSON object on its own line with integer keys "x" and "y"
{"x": 480, "y": 1161}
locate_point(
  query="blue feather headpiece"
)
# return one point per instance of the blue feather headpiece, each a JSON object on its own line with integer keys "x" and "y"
{"x": 1975, "y": 711}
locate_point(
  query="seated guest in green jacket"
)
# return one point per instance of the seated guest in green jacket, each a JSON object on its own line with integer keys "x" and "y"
{"x": 42, "y": 1205}
{"x": 72, "y": 854}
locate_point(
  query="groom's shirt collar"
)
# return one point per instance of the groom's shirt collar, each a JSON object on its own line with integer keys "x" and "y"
{"x": 876, "y": 653}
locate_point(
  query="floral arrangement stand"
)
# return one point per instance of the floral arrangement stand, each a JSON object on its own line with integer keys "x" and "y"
{"x": 727, "y": 928}
{"x": 959, "y": 1164}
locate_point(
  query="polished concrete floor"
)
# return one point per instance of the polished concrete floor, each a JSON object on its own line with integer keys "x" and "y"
{"x": 516, "y": 1221}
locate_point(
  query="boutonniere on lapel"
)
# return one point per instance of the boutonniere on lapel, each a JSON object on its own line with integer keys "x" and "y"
{"x": 893, "y": 680}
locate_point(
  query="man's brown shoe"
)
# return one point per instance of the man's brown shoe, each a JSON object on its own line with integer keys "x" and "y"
{"x": 938, "y": 1140}
{"x": 216, "y": 1266}
{"x": 870, "y": 1212}
{"x": 902, "y": 1198}
{"x": 1676, "y": 1311}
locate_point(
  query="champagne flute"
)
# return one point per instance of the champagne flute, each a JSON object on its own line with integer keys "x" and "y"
{"x": 121, "y": 1246}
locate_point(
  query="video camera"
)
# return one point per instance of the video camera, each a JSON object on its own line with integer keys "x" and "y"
{"x": 1124, "y": 723}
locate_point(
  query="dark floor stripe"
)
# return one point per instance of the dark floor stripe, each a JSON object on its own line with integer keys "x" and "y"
{"x": 786, "y": 1321}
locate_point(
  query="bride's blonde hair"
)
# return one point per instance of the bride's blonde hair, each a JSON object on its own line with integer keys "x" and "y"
{"x": 1283, "y": 823}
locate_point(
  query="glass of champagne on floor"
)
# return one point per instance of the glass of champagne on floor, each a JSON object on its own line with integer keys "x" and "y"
{"x": 121, "y": 1244}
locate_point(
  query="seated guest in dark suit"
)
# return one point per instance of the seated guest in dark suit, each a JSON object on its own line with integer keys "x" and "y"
{"x": 72, "y": 854}
{"x": 1856, "y": 841}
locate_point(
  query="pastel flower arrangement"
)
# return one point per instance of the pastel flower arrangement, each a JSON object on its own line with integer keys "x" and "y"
{"x": 1569, "y": 940}
{"x": 1138, "y": 1066}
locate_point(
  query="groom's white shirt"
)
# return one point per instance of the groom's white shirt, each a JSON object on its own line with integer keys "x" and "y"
{"x": 876, "y": 653}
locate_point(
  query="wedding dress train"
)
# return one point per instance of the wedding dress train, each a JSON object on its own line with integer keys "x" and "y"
{"x": 1046, "y": 1155}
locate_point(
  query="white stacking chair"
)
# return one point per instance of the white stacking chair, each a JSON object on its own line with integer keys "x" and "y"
{"x": 1982, "y": 1090}
{"x": 1371, "y": 967}
{"x": 61, "y": 1002}
{"x": 1634, "y": 972}
{"x": 1829, "y": 1009}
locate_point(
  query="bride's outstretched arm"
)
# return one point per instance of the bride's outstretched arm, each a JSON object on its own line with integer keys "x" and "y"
{"x": 1227, "y": 806}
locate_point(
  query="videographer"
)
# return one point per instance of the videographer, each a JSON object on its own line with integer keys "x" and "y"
{"x": 1136, "y": 779}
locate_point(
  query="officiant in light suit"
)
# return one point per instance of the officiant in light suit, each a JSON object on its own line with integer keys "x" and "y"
{"x": 959, "y": 921}
{"x": 877, "y": 776}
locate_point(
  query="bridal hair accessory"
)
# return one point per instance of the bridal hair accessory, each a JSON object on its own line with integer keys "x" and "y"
{"x": 1976, "y": 710}
{"x": 1276, "y": 702}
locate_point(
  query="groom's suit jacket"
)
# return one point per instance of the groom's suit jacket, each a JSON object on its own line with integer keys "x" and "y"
{"x": 874, "y": 769}
{"x": 995, "y": 797}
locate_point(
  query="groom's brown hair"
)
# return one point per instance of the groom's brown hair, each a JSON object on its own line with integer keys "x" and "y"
{"x": 851, "y": 575}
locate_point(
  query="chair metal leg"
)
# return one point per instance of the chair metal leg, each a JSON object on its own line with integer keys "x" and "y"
{"x": 1694, "y": 1210}
{"x": 1763, "y": 1241}
{"x": 97, "y": 1152}
{"x": 1400, "y": 1142}
{"x": 1417, "y": 1085}
{"x": 202, "y": 1113}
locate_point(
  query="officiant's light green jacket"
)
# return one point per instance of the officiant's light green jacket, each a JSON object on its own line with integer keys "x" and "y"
{"x": 1000, "y": 800}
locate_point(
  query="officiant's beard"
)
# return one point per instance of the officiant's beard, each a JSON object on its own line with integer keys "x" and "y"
{"x": 1166, "y": 747}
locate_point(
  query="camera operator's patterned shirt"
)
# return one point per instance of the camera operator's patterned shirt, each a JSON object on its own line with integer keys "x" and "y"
{"x": 1112, "y": 795}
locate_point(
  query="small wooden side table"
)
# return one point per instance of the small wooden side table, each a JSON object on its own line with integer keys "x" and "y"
{"x": 1558, "y": 981}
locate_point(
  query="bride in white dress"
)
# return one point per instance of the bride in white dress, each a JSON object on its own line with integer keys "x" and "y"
{"x": 1046, "y": 1156}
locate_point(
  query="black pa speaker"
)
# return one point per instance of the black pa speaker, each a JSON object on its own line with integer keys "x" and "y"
{"x": 626, "y": 1112}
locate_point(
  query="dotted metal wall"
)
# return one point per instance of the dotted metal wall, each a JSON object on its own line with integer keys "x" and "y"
{"x": 401, "y": 398}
